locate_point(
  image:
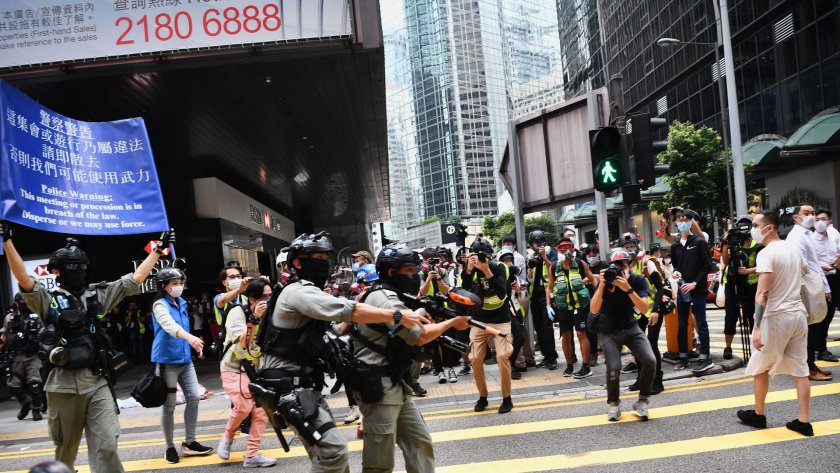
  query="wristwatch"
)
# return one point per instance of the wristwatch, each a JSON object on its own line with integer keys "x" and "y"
{"x": 397, "y": 317}
{"x": 629, "y": 291}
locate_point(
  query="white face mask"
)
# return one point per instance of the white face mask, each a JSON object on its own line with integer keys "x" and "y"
{"x": 175, "y": 291}
{"x": 821, "y": 226}
{"x": 233, "y": 284}
{"x": 756, "y": 234}
{"x": 666, "y": 260}
{"x": 808, "y": 221}
{"x": 561, "y": 257}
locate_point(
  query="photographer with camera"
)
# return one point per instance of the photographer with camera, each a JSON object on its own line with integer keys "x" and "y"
{"x": 539, "y": 266}
{"x": 80, "y": 388}
{"x": 489, "y": 280}
{"x": 618, "y": 294}
{"x": 436, "y": 274}
{"x": 22, "y": 327}
{"x": 570, "y": 308}
{"x": 740, "y": 279}
{"x": 294, "y": 350}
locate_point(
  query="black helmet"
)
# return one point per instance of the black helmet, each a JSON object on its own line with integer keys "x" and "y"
{"x": 537, "y": 235}
{"x": 483, "y": 245}
{"x": 70, "y": 254}
{"x": 309, "y": 243}
{"x": 394, "y": 256}
{"x": 628, "y": 238}
{"x": 167, "y": 274}
{"x": 620, "y": 255}
{"x": 442, "y": 250}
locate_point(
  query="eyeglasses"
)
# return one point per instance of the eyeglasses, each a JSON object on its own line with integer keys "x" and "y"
{"x": 75, "y": 267}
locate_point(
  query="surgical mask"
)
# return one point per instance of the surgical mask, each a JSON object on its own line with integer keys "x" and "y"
{"x": 593, "y": 260}
{"x": 233, "y": 284}
{"x": 808, "y": 221}
{"x": 684, "y": 227}
{"x": 666, "y": 260}
{"x": 72, "y": 281}
{"x": 405, "y": 284}
{"x": 507, "y": 248}
{"x": 315, "y": 270}
{"x": 756, "y": 234}
{"x": 175, "y": 291}
{"x": 821, "y": 226}
{"x": 574, "y": 240}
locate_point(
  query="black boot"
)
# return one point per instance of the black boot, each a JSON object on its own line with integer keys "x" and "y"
{"x": 36, "y": 415}
{"x": 36, "y": 394}
{"x": 634, "y": 386}
{"x": 657, "y": 384}
{"x": 24, "y": 411}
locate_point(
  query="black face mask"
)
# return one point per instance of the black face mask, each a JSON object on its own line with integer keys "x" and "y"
{"x": 315, "y": 270}
{"x": 72, "y": 281}
{"x": 406, "y": 284}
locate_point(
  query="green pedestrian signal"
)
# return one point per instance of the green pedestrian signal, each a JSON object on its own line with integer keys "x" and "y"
{"x": 608, "y": 174}
{"x": 607, "y": 166}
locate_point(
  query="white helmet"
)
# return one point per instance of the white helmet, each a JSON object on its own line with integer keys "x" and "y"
{"x": 281, "y": 258}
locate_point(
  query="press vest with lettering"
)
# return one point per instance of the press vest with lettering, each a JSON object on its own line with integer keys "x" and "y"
{"x": 166, "y": 348}
{"x": 493, "y": 302}
{"x": 641, "y": 270}
{"x": 753, "y": 254}
{"x": 570, "y": 291}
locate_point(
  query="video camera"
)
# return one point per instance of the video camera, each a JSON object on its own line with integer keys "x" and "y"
{"x": 739, "y": 234}
{"x": 610, "y": 274}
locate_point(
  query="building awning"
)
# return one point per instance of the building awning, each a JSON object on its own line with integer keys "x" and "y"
{"x": 819, "y": 138}
{"x": 762, "y": 151}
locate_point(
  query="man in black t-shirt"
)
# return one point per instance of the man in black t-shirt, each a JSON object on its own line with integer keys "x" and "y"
{"x": 614, "y": 300}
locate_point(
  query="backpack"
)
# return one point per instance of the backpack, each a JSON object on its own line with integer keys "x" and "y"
{"x": 218, "y": 347}
{"x": 151, "y": 390}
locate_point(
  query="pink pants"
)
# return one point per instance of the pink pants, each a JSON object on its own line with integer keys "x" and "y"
{"x": 236, "y": 386}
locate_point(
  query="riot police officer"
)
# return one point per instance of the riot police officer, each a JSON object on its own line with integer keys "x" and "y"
{"x": 22, "y": 327}
{"x": 395, "y": 418}
{"x": 79, "y": 388}
{"x": 293, "y": 347}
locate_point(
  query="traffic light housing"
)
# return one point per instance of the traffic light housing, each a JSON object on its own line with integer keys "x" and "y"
{"x": 462, "y": 234}
{"x": 607, "y": 166}
{"x": 645, "y": 148}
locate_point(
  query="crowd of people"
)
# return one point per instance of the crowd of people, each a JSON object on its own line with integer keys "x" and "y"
{"x": 481, "y": 305}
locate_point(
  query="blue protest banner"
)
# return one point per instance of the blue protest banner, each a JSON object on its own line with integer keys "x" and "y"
{"x": 63, "y": 175}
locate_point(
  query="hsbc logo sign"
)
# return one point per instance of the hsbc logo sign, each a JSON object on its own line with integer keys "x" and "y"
{"x": 37, "y": 268}
{"x": 41, "y": 270}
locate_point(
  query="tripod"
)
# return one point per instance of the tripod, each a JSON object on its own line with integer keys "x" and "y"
{"x": 738, "y": 282}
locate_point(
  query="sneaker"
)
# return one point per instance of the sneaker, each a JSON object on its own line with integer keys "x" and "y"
{"x": 481, "y": 405}
{"x": 803, "y": 428}
{"x": 453, "y": 378}
{"x": 194, "y": 448}
{"x": 259, "y": 461}
{"x": 570, "y": 369}
{"x": 641, "y": 408}
{"x": 826, "y": 355}
{"x": 681, "y": 365}
{"x": 353, "y": 415}
{"x": 584, "y": 372}
{"x": 551, "y": 364}
{"x": 703, "y": 365}
{"x": 425, "y": 370}
{"x": 630, "y": 367}
{"x": 172, "y": 455}
{"x": 593, "y": 360}
{"x": 614, "y": 413}
{"x": 418, "y": 390}
{"x": 533, "y": 364}
{"x": 465, "y": 369}
{"x": 24, "y": 411}
{"x": 515, "y": 375}
{"x": 522, "y": 369}
{"x": 752, "y": 419}
{"x": 634, "y": 386}
{"x": 727, "y": 353}
{"x": 507, "y": 406}
{"x": 442, "y": 378}
{"x": 223, "y": 450}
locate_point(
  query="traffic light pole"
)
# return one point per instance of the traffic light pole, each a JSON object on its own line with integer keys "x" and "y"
{"x": 626, "y": 142}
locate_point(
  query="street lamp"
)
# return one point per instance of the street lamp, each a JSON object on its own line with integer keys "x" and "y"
{"x": 669, "y": 42}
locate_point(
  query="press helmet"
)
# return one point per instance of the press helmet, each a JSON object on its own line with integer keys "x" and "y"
{"x": 70, "y": 254}
{"x": 503, "y": 253}
{"x": 281, "y": 257}
{"x": 394, "y": 256}
{"x": 310, "y": 243}
{"x": 537, "y": 235}
{"x": 368, "y": 274}
{"x": 481, "y": 244}
{"x": 168, "y": 274}
{"x": 620, "y": 255}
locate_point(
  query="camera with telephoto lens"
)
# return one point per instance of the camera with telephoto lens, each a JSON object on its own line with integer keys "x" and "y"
{"x": 610, "y": 274}
{"x": 739, "y": 234}
{"x": 482, "y": 256}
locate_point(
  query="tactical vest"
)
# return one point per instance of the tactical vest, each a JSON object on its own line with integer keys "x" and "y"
{"x": 74, "y": 329}
{"x": 570, "y": 291}
{"x": 397, "y": 353}
{"x": 493, "y": 302}
{"x": 751, "y": 255}
{"x": 28, "y": 326}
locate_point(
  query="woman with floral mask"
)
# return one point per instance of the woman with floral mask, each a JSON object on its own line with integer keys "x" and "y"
{"x": 171, "y": 353}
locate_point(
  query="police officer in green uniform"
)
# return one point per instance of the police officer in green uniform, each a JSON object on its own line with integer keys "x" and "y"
{"x": 78, "y": 391}
{"x": 291, "y": 354}
{"x": 745, "y": 277}
{"x": 395, "y": 419}
{"x": 22, "y": 327}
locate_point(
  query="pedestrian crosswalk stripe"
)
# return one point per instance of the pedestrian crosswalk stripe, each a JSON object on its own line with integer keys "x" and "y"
{"x": 710, "y": 405}
{"x": 676, "y": 448}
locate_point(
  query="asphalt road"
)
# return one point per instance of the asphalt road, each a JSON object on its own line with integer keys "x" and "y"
{"x": 557, "y": 424}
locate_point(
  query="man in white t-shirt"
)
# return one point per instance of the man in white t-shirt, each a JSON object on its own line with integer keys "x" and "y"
{"x": 780, "y": 336}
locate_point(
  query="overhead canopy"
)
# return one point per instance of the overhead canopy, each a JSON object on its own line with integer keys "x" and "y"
{"x": 819, "y": 138}
{"x": 758, "y": 151}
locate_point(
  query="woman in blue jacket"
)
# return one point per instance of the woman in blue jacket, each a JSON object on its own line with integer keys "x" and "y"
{"x": 171, "y": 353}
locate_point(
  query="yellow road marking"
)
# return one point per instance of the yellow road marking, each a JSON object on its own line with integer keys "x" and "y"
{"x": 677, "y": 448}
{"x": 518, "y": 429}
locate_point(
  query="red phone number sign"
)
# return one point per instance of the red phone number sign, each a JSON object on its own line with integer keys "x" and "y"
{"x": 47, "y": 31}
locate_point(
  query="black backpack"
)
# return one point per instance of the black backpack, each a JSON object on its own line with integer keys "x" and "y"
{"x": 151, "y": 390}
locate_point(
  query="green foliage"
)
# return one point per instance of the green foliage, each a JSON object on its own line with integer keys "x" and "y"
{"x": 697, "y": 174}
{"x": 495, "y": 228}
{"x": 429, "y": 220}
